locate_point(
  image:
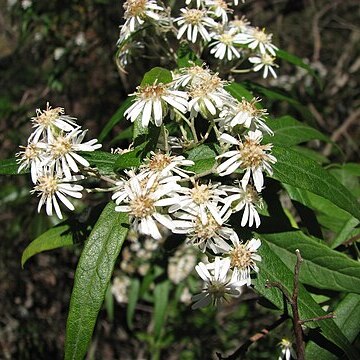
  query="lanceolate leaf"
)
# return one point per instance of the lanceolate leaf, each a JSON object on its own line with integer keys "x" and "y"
{"x": 115, "y": 119}
{"x": 238, "y": 91}
{"x": 298, "y": 62}
{"x": 161, "y": 298}
{"x": 101, "y": 160}
{"x": 91, "y": 279}
{"x": 10, "y": 167}
{"x": 274, "y": 270}
{"x": 53, "y": 238}
{"x": 329, "y": 215}
{"x": 322, "y": 267}
{"x": 132, "y": 301}
{"x": 347, "y": 319}
{"x": 295, "y": 169}
{"x": 288, "y": 132}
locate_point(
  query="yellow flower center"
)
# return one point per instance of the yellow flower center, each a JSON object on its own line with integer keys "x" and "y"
{"x": 61, "y": 147}
{"x": 159, "y": 162}
{"x": 240, "y": 257}
{"x": 193, "y": 16}
{"x": 134, "y": 8}
{"x": 252, "y": 153}
{"x": 227, "y": 39}
{"x": 267, "y": 59}
{"x": 151, "y": 91}
{"x": 260, "y": 35}
{"x": 142, "y": 206}
{"x": 48, "y": 116}
{"x": 200, "y": 194}
{"x": 47, "y": 184}
{"x": 207, "y": 231}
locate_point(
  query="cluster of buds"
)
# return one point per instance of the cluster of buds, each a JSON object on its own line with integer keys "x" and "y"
{"x": 52, "y": 157}
{"x": 207, "y": 23}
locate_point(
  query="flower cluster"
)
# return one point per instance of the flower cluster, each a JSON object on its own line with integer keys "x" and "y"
{"x": 53, "y": 159}
{"x": 155, "y": 196}
{"x": 207, "y": 23}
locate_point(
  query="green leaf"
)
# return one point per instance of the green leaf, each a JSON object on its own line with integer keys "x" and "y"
{"x": 347, "y": 319}
{"x": 203, "y": 157}
{"x": 92, "y": 277}
{"x": 131, "y": 159}
{"x": 289, "y": 132}
{"x": 102, "y": 160}
{"x": 132, "y": 301}
{"x": 10, "y": 167}
{"x": 322, "y": 268}
{"x": 109, "y": 303}
{"x": 282, "y": 54}
{"x": 53, "y": 238}
{"x": 238, "y": 91}
{"x": 115, "y": 119}
{"x": 161, "y": 298}
{"x": 186, "y": 57}
{"x": 295, "y": 169}
{"x": 158, "y": 75}
{"x": 329, "y": 215}
{"x": 274, "y": 270}
{"x": 312, "y": 154}
{"x": 277, "y": 95}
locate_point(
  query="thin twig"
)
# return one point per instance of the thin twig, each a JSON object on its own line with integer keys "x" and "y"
{"x": 241, "y": 351}
{"x": 318, "y": 318}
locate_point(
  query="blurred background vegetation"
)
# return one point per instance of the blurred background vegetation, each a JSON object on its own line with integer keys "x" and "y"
{"x": 63, "y": 52}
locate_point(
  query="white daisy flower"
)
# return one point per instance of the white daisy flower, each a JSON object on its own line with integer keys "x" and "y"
{"x": 241, "y": 25}
{"x": 165, "y": 165}
{"x": 219, "y": 8}
{"x": 51, "y": 120}
{"x": 248, "y": 200}
{"x": 257, "y": 39}
{"x": 31, "y": 157}
{"x": 244, "y": 113}
{"x": 266, "y": 62}
{"x": 144, "y": 198}
{"x": 224, "y": 45}
{"x": 136, "y": 13}
{"x": 51, "y": 188}
{"x": 218, "y": 286}
{"x": 61, "y": 151}
{"x": 194, "y": 22}
{"x": 202, "y": 199}
{"x": 287, "y": 351}
{"x": 243, "y": 258}
{"x": 211, "y": 235}
{"x": 249, "y": 156}
{"x": 191, "y": 76}
{"x": 207, "y": 96}
{"x": 152, "y": 103}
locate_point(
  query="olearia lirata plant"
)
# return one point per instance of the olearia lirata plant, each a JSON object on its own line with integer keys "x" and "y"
{"x": 200, "y": 159}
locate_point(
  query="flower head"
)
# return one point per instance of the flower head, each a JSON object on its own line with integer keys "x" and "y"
{"x": 152, "y": 103}
{"x": 51, "y": 120}
{"x": 258, "y": 39}
{"x": 287, "y": 351}
{"x": 266, "y": 62}
{"x": 51, "y": 188}
{"x": 243, "y": 258}
{"x": 218, "y": 286}
{"x": 224, "y": 45}
{"x": 244, "y": 113}
{"x": 194, "y": 22}
{"x": 250, "y": 156}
